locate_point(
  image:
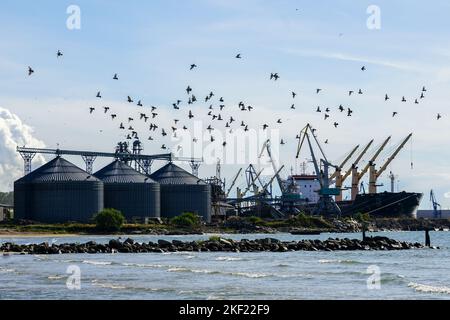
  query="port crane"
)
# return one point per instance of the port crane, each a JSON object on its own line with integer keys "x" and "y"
{"x": 326, "y": 204}
{"x": 436, "y": 206}
{"x": 357, "y": 176}
{"x": 374, "y": 174}
{"x": 340, "y": 179}
{"x": 233, "y": 182}
{"x": 266, "y": 146}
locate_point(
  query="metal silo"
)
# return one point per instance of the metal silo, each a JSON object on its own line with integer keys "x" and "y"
{"x": 182, "y": 192}
{"x": 132, "y": 193}
{"x": 58, "y": 192}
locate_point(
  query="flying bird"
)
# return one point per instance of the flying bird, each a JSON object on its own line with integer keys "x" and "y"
{"x": 59, "y": 54}
{"x": 30, "y": 71}
{"x": 238, "y": 56}
{"x": 115, "y": 77}
{"x": 193, "y": 66}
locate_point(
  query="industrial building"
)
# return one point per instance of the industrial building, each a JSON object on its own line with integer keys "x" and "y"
{"x": 6, "y": 212}
{"x": 58, "y": 192}
{"x": 182, "y": 192}
{"x": 136, "y": 195}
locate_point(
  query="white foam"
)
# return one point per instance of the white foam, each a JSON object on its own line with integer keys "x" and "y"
{"x": 228, "y": 259}
{"x": 429, "y": 289}
{"x": 98, "y": 263}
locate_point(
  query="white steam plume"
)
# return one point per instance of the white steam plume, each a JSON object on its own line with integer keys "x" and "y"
{"x": 13, "y": 133}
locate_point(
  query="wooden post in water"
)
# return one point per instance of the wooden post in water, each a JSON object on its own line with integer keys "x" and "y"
{"x": 364, "y": 231}
{"x": 427, "y": 238}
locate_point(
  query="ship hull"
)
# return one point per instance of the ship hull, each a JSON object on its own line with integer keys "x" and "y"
{"x": 386, "y": 204}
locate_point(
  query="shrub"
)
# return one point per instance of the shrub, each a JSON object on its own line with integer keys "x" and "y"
{"x": 255, "y": 220}
{"x": 109, "y": 220}
{"x": 187, "y": 219}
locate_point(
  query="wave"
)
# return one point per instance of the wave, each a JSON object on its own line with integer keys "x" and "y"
{"x": 204, "y": 271}
{"x": 56, "y": 277}
{"x": 97, "y": 263}
{"x": 6, "y": 270}
{"x": 339, "y": 261}
{"x": 144, "y": 265}
{"x": 429, "y": 289}
{"x": 228, "y": 259}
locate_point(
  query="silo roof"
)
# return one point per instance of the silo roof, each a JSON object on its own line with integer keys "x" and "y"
{"x": 58, "y": 170}
{"x": 120, "y": 172}
{"x": 173, "y": 174}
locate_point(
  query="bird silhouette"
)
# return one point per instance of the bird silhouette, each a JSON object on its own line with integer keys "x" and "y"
{"x": 116, "y": 77}
{"x": 30, "y": 71}
{"x": 318, "y": 91}
{"x": 190, "y": 114}
{"x": 341, "y": 108}
{"x": 386, "y": 97}
{"x": 293, "y": 106}
{"x": 360, "y": 91}
{"x": 363, "y": 68}
{"x": 336, "y": 124}
{"x": 438, "y": 116}
{"x": 106, "y": 109}
{"x": 193, "y": 66}
{"x": 394, "y": 114}
{"x": 293, "y": 95}
{"x": 113, "y": 116}
{"x": 403, "y": 99}
{"x": 99, "y": 95}
{"x": 350, "y": 92}
{"x": 139, "y": 104}
{"x": 188, "y": 90}
{"x": 129, "y": 99}
{"x": 318, "y": 109}
{"x": 59, "y": 54}
{"x": 238, "y": 56}
{"x": 282, "y": 142}
{"x": 91, "y": 109}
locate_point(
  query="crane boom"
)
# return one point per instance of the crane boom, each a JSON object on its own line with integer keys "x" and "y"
{"x": 361, "y": 155}
{"x": 234, "y": 182}
{"x": 374, "y": 174}
{"x": 274, "y": 166}
{"x": 392, "y": 157}
{"x": 339, "y": 168}
{"x": 270, "y": 181}
{"x": 375, "y": 156}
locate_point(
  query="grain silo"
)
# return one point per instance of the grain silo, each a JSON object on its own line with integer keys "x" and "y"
{"x": 134, "y": 194}
{"x": 58, "y": 192}
{"x": 182, "y": 192}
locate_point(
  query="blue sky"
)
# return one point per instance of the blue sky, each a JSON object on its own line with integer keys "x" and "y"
{"x": 151, "y": 44}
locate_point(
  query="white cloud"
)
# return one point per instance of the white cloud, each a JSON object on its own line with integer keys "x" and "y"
{"x": 13, "y": 133}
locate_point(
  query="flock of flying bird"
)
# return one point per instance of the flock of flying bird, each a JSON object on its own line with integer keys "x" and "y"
{"x": 215, "y": 111}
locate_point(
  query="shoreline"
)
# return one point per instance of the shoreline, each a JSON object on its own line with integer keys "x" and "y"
{"x": 214, "y": 244}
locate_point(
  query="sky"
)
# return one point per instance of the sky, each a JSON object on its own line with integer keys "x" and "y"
{"x": 151, "y": 44}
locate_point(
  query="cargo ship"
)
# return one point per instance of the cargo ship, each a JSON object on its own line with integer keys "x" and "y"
{"x": 383, "y": 204}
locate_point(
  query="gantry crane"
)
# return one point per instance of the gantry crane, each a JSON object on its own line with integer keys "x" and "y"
{"x": 374, "y": 174}
{"x": 436, "y": 206}
{"x": 340, "y": 179}
{"x": 325, "y": 205}
{"x": 357, "y": 176}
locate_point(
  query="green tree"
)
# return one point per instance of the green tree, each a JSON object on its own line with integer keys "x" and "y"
{"x": 187, "y": 219}
{"x": 109, "y": 220}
